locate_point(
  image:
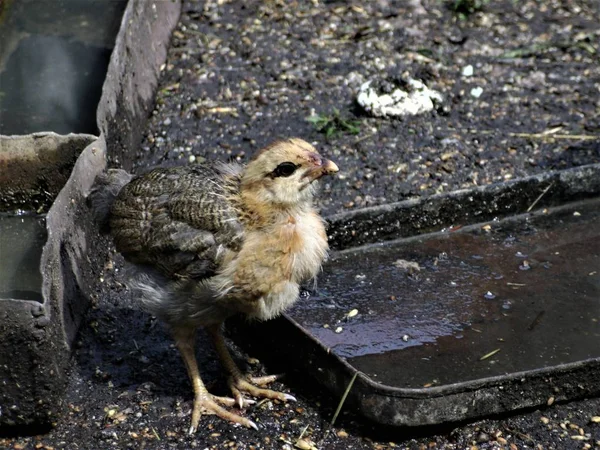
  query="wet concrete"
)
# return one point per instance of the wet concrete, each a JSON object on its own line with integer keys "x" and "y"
{"x": 53, "y": 61}
{"x": 22, "y": 238}
{"x": 526, "y": 288}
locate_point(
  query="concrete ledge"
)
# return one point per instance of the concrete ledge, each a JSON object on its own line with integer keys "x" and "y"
{"x": 35, "y": 167}
{"x": 36, "y": 338}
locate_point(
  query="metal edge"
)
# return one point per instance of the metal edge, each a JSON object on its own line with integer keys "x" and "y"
{"x": 482, "y": 203}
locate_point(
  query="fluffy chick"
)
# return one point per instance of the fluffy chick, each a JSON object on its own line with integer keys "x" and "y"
{"x": 208, "y": 242}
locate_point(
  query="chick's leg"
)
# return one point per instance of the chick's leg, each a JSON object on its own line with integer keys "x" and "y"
{"x": 204, "y": 402}
{"x": 238, "y": 382}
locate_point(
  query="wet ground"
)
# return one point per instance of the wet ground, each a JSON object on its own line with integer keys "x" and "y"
{"x": 241, "y": 74}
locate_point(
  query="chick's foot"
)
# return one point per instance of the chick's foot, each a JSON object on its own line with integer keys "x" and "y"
{"x": 253, "y": 386}
{"x": 210, "y": 404}
{"x": 240, "y": 383}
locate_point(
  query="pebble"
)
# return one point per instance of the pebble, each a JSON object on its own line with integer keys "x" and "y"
{"x": 476, "y": 92}
{"x": 467, "y": 71}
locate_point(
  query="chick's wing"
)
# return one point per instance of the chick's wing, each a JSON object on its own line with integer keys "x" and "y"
{"x": 178, "y": 220}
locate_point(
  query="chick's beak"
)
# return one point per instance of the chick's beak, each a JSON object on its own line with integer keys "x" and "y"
{"x": 330, "y": 167}
{"x": 325, "y": 167}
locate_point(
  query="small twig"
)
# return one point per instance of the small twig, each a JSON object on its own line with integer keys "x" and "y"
{"x": 523, "y": 436}
{"x": 302, "y": 433}
{"x": 343, "y": 400}
{"x": 489, "y": 355}
{"x": 540, "y": 196}
{"x": 548, "y": 134}
{"x": 535, "y": 321}
{"x": 362, "y": 138}
{"x": 581, "y": 137}
{"x": 155, "y": 433}
{"x": 339, "y": 408}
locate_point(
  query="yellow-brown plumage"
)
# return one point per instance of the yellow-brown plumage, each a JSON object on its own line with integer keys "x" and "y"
{"x": 209, "y": 242}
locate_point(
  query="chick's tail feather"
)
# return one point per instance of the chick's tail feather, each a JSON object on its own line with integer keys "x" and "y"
{"x": 104, "y": 192}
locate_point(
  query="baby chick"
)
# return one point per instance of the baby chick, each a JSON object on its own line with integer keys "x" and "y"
{"x": 208, "y": 242}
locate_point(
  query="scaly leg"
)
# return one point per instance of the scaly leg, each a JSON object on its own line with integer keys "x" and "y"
{"x": 204, "y": 402}
{"x": 238, "y": 382}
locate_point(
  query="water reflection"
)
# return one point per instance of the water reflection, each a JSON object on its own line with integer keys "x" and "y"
{"x": 22, "y": 239}
{"x": 53, "y": 60}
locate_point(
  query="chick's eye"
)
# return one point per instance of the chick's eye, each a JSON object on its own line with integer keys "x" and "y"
{"x": 285, "y": 169}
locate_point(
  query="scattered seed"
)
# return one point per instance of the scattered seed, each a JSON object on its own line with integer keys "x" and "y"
{"x": 576, "y": 214}
{"x": 525, "y": 265}
{"x": 339, "y": 330}
{"x": 352, "y": 313}
{"x": 595, "y": 419}
{"x": 544, "y": 420}
{"x": 578, "y": 437}
{"x": 304, "y": 444}
{"x": 550, "y": 402}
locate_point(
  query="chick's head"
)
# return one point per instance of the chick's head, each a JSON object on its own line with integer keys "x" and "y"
{"x": 285, "y": 172}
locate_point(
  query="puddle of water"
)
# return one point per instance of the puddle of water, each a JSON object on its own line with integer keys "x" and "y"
{"x": 528, "y": 290}
{"x": 22, "y": 239}
{"x": 53, "y": 60}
